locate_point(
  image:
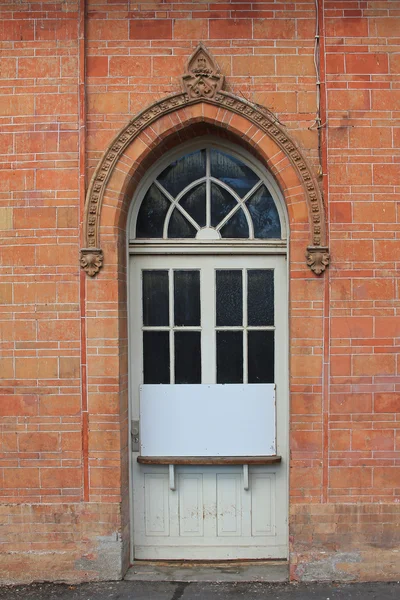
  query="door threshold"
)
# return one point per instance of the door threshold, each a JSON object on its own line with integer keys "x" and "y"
{"x": 266, "y": 571}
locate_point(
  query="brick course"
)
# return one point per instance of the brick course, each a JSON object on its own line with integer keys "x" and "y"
{"x": 63, "y": 407}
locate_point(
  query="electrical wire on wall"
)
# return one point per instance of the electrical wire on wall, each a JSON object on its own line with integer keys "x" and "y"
{"x": 317, "y": 124}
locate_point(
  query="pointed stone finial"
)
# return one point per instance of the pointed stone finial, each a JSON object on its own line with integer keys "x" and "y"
{"x": 202, "y": 79}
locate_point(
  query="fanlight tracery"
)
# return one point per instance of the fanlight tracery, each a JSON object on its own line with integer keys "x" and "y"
{"x": 208, "y": 194}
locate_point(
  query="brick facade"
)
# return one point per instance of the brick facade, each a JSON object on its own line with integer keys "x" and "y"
{"x": 72, "y": 75}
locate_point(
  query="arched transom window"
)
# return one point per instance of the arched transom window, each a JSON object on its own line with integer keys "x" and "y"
{"x": 209, "y": 194}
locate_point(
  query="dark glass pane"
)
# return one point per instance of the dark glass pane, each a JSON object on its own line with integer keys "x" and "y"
{"x": 183, "y": 171}
{"x": 179, "y": 226}
{"x": 155, "y": 298}
{"x": 194, "y": 202}
{"x": 261, "y": 356}
{"x": 187, "y": 297}
{"x": 221, "y": 204}
{"x": 152, "y": 213}
{"x": 187, "y": 357}
{"x": 264, "y": 214}
{"x": 260, "y": 297}
{"x": 233, "y": 172}
{"x": 236, "y": 227}
{"x": 229, "y": 357}
{"x": 229, "y": 298}
{"x": 156, "y": 357}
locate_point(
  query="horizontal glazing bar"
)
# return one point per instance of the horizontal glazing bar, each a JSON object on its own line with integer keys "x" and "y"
{"x": 176, "y": 328}
{"x": 252, "y": 328}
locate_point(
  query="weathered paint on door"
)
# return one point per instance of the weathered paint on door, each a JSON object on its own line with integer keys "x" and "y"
{"x": 209, "y": 515}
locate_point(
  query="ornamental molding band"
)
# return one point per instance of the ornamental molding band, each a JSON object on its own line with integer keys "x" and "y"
{"x": 202, "y": 83}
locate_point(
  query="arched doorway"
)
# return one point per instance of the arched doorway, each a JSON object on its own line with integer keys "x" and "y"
{"x": 208, "y": 240}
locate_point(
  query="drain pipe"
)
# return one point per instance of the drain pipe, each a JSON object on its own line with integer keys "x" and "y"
{"x": 82, "y": 280}
{"x": 321, "y": 126}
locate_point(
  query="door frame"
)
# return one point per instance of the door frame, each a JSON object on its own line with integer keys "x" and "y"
{"x": 242, "y": 248}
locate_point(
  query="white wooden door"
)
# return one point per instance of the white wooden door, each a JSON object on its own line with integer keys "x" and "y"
{"x": 199, "y": 320}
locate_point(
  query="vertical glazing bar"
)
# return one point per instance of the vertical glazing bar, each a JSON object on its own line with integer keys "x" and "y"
{"x": 171, "y": 325}
{"x": 207, "y": 303}
{"x": 208, "y": 189}
{"x": 245, "y": 345}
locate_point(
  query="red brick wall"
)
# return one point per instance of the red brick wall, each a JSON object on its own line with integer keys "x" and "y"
{"x": 40, "y": 361}
{"x": 360, "y": 456}
{"x": 64, "y": 399}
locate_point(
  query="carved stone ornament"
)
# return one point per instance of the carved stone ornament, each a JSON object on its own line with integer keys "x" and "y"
{"x": 91, "y": 260}
{"x": 317, "y": 258}
{"x": 203, "y": 83}
{"x": 202, "y": 79}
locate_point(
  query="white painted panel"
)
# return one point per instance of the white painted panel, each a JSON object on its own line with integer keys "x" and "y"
{"x": 156, "y": 504}
{"x": 190, "y": 504}
{"x": 207, "y": 420}
{"x": 229, "y": 508}
{"x": 262, "y": 504}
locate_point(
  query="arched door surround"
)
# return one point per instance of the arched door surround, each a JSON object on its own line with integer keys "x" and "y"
{"x": 201, "y": 109}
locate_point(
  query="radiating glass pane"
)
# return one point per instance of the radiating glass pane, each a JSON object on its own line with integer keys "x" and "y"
{"x": 187, "y": 297}
{"x": 194, "y": 202}
{"x": 221, "y": 204}
{"x": 152, "y": 213}
{"x": 233, "y": 172}
{"x": 229, "y": 297}
{"x": 187, "y": 357}
{"x": 155, "y": 298}
{"x": 261, "y": 356}
{"x": 264, "y": 214}
{"x": 156, "y": 357}
{"x": 179, "y": 226}
{"x": 236, "y": 227}
{"x": 260, "y": 297}
{"x": 229, "y": 357}
{"x": 183, "y": 171}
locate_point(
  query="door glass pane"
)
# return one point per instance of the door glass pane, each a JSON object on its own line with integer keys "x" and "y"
{"x": 221, "y": 204}
{"x": 229, "y": 297}
{"x": 260, "y": 297}
{"x": 261, "y": 356}
{"x": 155, "y": 298}
{"x": 187, "y": 357}
{"x": 179, "y": 226}
{"x": 187, "y": 298}
{"x": 236, "y": 227}
{"x": 183, "y": 171}
{"x": 229, "y": 357}
{"x": 152, "y": 213}
{"x": 233, "y": 172}
{"x": 264, "y": 213}
{"x": 156, "y": 357}
{"x": 194, "y": 202}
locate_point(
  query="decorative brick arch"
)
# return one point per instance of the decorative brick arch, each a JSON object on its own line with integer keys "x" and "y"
{"x": 202, "y": 101}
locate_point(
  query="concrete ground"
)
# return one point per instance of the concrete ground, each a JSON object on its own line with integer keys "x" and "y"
{"x": 147, "y": 590}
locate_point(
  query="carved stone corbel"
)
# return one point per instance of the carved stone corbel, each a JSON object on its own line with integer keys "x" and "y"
{"x": 317, "y": 258}
{"x": 91, "y": 260}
